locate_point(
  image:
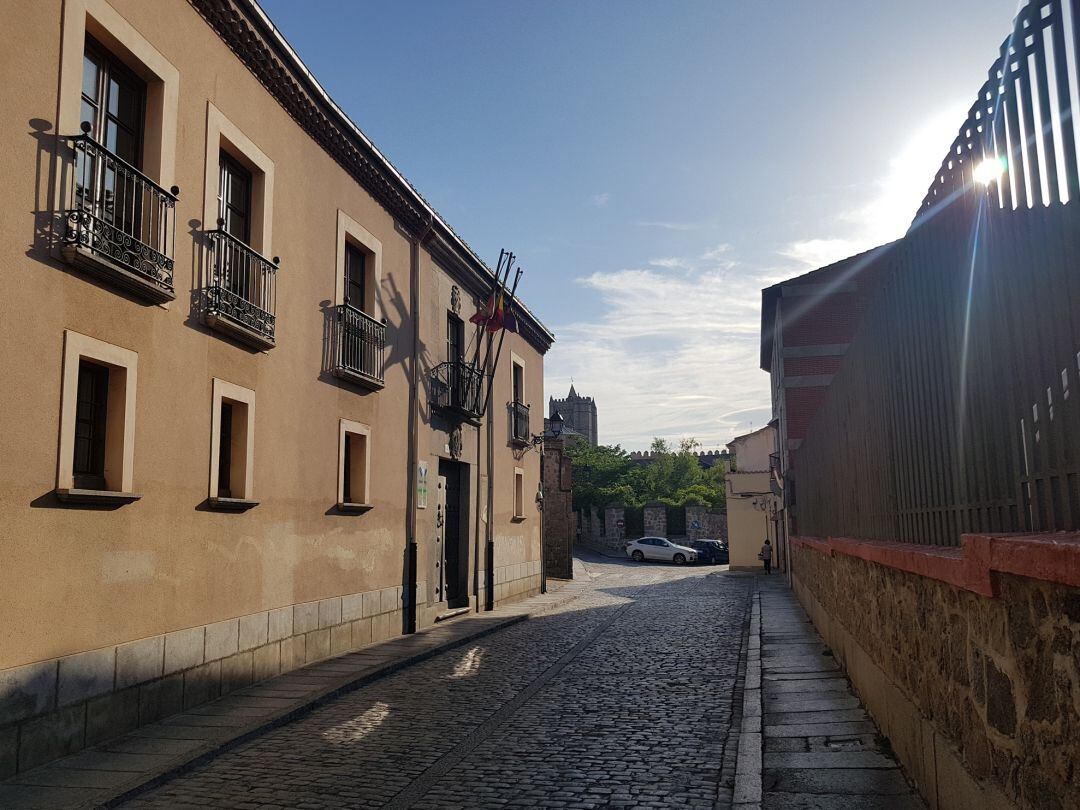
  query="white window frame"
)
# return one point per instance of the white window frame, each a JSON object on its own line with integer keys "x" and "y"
{"x": 245, "y": 499}
{"x": 123, "y": 365}
{"x": 349, "y": 231}
{"x": 120, "y": 38}
{"x": 223, "y": 134}
{"x": 519, "y": 493}
{"x": 349, "y": 427}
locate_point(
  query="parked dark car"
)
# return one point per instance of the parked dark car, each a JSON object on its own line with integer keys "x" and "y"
{"x": 712, "y": 552}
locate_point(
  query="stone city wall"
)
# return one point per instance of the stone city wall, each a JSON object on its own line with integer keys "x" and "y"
{"x": 655, "y": 520}
{"x": 968, "y": 660}
{"x": 703, "y": 522}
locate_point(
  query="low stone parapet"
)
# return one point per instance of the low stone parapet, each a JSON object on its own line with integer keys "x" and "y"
{"x": 966, "y": 657}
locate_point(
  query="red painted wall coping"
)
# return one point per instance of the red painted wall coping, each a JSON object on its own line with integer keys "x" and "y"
{"x": 1049, "y": 557}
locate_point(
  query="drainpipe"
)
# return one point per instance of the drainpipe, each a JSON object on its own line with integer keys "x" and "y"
{"x": 543, "y": 498}
{"x": 489, "y": 551}
{"x": 411, "y": 547}
{"x": 479, "y": 499}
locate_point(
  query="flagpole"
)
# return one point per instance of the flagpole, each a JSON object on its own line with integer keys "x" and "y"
{"x": 502, "y": 337}
{"x": 497, "y": 293}
{"x": 479, "y": 336}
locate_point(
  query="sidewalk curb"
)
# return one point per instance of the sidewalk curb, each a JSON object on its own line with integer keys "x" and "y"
{"x": 346, "y": 684}
{"x": 748, "y": 766}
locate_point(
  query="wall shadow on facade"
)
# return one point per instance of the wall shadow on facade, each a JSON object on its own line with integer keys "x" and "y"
{"x": 200, "y": 276}
{"x": 46, "y": 221}
{"x": 53, "y": 166}
{"x": 49, "y": 500}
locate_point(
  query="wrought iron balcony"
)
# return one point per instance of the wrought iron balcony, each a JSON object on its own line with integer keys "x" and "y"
{"x": 519, "y": 423}
{"x": 242, "y": 295}
{"x": 457, "y": 387}
{"x": 359, "y": 343}
{"x": 121, "y": 225}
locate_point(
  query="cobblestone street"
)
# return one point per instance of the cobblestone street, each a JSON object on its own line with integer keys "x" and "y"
{"x": 623, "y": 697}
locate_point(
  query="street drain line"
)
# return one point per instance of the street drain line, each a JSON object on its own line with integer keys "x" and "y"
{"x": 423, "y": 783}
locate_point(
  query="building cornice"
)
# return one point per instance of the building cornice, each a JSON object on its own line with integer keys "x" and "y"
{"x": 252, "y": 36}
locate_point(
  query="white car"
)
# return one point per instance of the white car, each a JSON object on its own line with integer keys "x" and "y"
{"x": 657, "y": 548}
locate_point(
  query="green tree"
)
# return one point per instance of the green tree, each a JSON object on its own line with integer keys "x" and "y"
{"x": 604, "y": 475}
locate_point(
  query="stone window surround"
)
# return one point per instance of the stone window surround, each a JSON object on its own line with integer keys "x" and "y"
{"x": 162, "y": 80}
{"x": 120, "y": 419}
{"x": 351, "y": 231}
{"x": 346, "y": 426}
{"x": 517, "y": 360}
{"x": 223, "y": 390}
{"x": 223, "y": 134}
{"x": 519, "y": 494}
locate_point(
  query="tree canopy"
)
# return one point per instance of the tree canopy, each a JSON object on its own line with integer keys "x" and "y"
{"x": 606, "y": 474}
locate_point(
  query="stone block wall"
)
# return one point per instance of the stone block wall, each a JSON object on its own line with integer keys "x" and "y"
{"x": 614, "y": 535}
{"x": 716, "y": 525}
{"x": 53, "y": 708}
{"x": 512, "y": 582}
{"x": 703, "y": 522}
{"x": 590, "y": 531}
{"x": 558, "y": 514}
{"x": 979, "y": 694}
{"x": 655, "y": 520}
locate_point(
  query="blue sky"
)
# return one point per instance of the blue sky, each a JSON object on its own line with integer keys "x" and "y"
{"x": 653, "y": 165}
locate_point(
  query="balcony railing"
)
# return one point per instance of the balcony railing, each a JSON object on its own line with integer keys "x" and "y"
{"x": 519, "y": 423}
{"x": 359, "y": 343}
{"x": 121, "y": 225}
{"x": 242, "y": 295}
{"x": 457, "y": 387}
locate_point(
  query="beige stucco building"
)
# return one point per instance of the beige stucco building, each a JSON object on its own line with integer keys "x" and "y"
{"x": 751, "y": 504}
{"x": 240, "y": 428}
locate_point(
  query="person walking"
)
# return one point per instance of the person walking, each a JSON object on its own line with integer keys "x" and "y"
{"x": 766, "y": 555}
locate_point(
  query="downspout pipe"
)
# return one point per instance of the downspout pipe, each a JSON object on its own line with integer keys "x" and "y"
{"x": 411, "y": 546}
{"x": 543, "y": 503}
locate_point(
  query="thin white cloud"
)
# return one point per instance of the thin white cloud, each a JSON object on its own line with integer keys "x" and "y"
{"x": 670, "y": 226}
{"x": 600, "y": 200}
{"x": 716, "y": 253}
{"x": 669, "y": 355}
{"x": 670, "y": 263}
{"x": 814, "y": 253}
{"x": 676, "y": 354}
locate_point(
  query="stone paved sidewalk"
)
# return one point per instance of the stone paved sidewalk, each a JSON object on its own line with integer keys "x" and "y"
{"x": 820, "y": 751}
{"x": 154, "y": 753}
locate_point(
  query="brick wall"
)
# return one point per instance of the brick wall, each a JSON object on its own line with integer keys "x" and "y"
{"x": 806, "y": 366}
{"x": 830, "y": 320}
{"x": 802, "y": 404}
{"x": 980, "y": 695}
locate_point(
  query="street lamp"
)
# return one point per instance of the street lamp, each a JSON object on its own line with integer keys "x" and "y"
{"x": 555, "y": 424}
